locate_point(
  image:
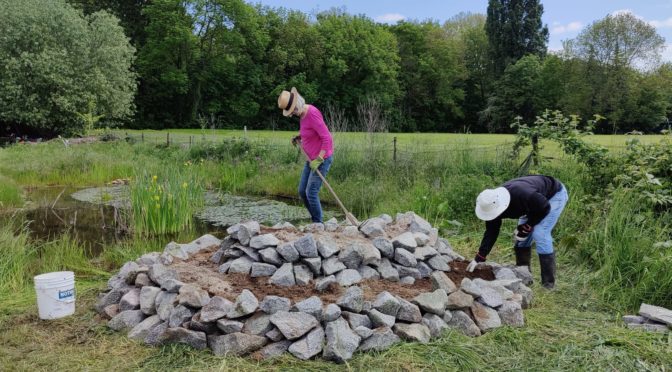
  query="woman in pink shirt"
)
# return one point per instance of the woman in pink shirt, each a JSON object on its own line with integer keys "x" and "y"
{"x": 316, "y": 141}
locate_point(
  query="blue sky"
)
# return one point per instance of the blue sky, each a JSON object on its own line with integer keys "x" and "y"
{"x": 565, "y": 18}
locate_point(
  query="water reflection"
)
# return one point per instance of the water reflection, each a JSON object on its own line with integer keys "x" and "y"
{"x": 99, "y": 217}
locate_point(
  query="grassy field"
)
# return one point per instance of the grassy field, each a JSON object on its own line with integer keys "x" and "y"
{"x": 566, "y": 330}
{"x": 606, "y": 248}
{"x": 404, "y": 140}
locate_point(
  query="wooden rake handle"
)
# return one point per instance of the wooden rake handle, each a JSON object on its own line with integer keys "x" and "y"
{"x": 348, "y": 215}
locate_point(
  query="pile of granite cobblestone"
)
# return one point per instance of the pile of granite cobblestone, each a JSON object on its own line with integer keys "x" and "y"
{"x": 157, "y": 301}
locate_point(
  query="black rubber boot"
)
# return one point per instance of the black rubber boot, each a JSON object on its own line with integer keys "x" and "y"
{"x": 523, "y": 256}
{"x": 547, "y": 264}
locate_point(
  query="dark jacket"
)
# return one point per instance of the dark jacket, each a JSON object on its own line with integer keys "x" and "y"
{"x": 529, "y": 197}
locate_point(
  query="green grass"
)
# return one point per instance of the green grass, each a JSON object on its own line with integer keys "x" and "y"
{"x": 114, "y": 256}
{"x": 10, "y": 193}
{"x": 566, "y": 330}
{"x": 404, "y": 140}
{"x": 165, "y": 203}
{"x": 79, "y": 165}
{"x": 621, "y": 246}
{"x": 24, "y": 258}
{"x": 18, "y": 256}
{"x": 66, "y": 253}
{"x": 608, "y": 263}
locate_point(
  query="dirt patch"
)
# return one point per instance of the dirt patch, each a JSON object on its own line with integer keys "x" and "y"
{"x": 373, "y": 287}
{"x": 284, "y": 235}
{"x": 459, "y": 271}
{"x": 261, "y": 288}
{"x": 200, "y": 271}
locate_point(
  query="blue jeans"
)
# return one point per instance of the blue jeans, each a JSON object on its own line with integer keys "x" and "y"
{"x": 542, "y": 232}
{"x": 309, "y": 188}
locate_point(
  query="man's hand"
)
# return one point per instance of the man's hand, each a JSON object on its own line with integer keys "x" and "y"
{"x": 296, "y": 140}
{"x": 315, "y": 163}
{"x": 472, "y": 265}
{"x": 522, "y": 232}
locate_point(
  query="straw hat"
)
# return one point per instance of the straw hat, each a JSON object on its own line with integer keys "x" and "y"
{"x": 287, "y": 101}
{"x": 491, "y": 203}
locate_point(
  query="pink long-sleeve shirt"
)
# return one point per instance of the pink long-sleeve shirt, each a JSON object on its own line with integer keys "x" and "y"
{"x": 314, "y": 134}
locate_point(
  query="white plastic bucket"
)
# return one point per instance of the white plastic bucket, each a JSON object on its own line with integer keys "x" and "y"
{"x": 55, "y": 294}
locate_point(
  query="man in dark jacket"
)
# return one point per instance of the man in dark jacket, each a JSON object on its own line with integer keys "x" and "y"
{"x": 537, "y": 202}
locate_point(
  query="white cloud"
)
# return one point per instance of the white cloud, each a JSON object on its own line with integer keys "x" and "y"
{"x": 622, "y": 11}
{"x": 627, "y": 11}
{"x": 666, "y": 23}
{"x": 661, "y": 24}
{"x": 390, "y": 18}
{"x": 570, "y": 27}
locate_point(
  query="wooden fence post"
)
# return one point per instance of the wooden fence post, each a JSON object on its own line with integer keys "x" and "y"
{"x": 394, "y": 154}
{"x": 535, "y": 149}
{"x": 167, "y": 138}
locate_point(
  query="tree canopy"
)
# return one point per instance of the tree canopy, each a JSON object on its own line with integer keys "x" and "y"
{"x": 58, "y": 66}
{"x": 515, "y": 29}
{"x": 222, "y": 63}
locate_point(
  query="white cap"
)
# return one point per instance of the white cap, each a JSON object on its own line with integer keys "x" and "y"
{"x": 491, "y": 203}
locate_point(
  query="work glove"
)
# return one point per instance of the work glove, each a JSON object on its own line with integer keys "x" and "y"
{"x": 472, "y": 265}
{"x": 296, "y": 140}
{"x": 315, "y": 163}
{"x": 522, "y": 232}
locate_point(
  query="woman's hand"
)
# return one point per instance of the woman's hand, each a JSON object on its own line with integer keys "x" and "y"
{"x": 315, "y": 163}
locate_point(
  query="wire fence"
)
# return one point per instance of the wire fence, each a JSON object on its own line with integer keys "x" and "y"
{"x": 365, "y": 145}
{"x": 356, "y": 146}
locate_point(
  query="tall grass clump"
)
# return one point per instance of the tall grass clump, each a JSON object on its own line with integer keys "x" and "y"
{"x": 165, "y": 203}
{"x": 626, "y": 247}
{"x": 18, "y": 256}
{"x": 23, "y": 258}
{"x": 66, "y": 253}
{"x": 10, "y": 193}
{"x": 233, "y": 176}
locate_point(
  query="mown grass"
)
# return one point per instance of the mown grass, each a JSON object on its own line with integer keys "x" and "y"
{"x": 566, "y": 330}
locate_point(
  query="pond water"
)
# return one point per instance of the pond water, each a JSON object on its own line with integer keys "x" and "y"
{"x": 99, "y": 216}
